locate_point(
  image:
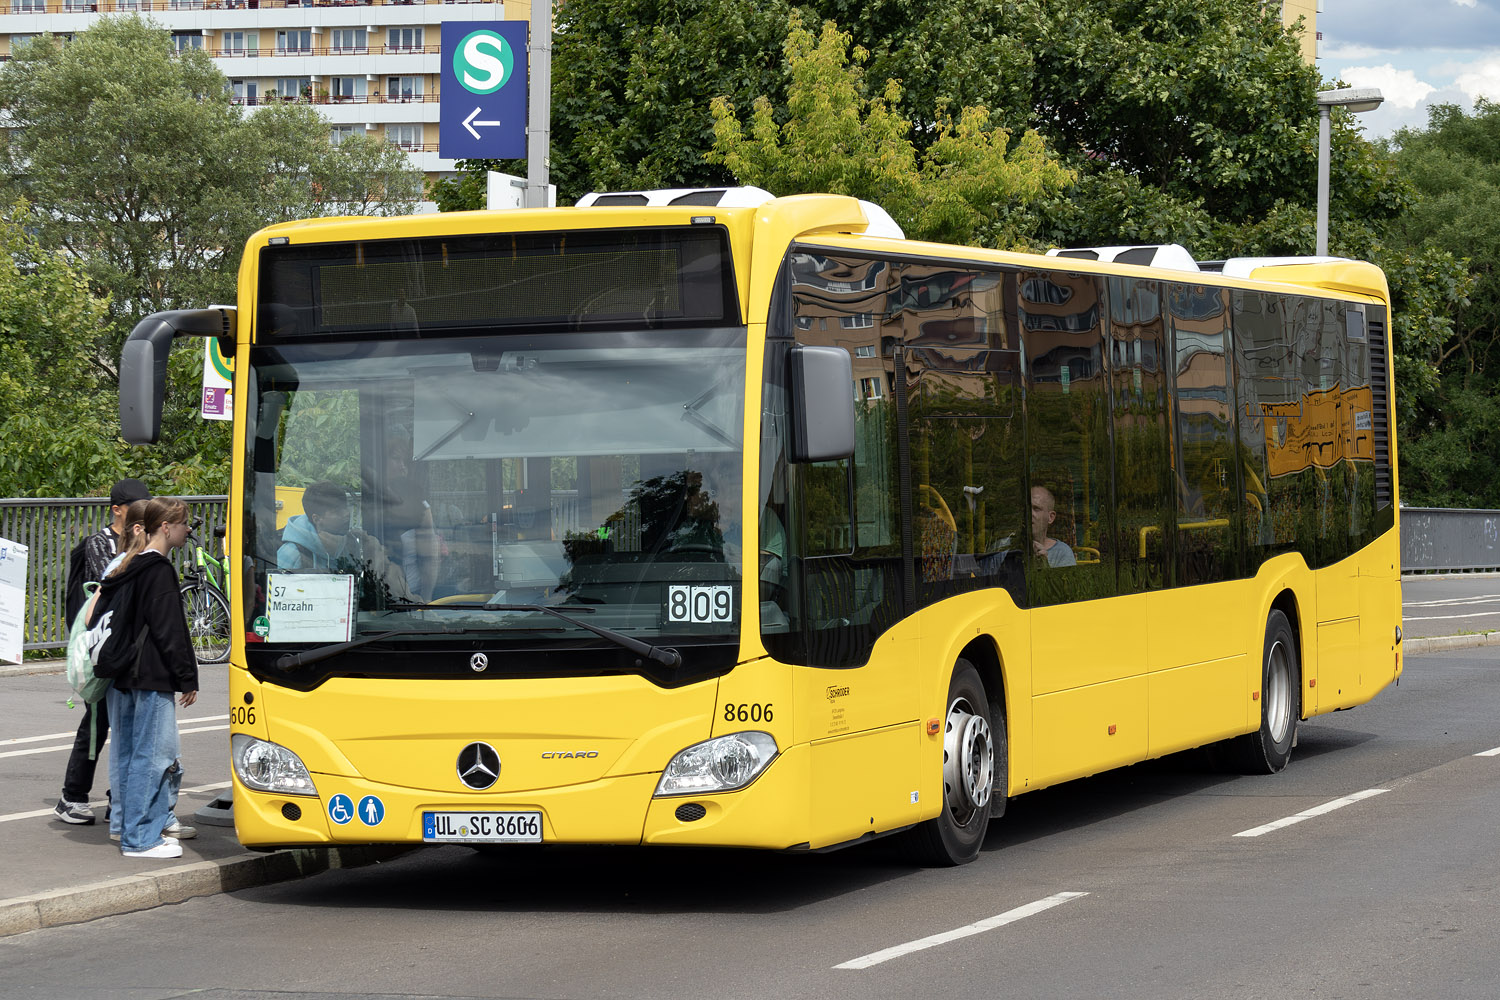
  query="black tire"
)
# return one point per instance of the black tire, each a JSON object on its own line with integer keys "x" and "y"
{"x": 208, "y": 622}
{"x": 972, "y": 745}
{"x": 1268, "y": 749}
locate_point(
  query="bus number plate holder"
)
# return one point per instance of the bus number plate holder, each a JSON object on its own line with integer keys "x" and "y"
{"x": 482, "y": 827}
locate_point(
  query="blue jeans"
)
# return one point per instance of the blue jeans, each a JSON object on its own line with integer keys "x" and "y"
{"x": 144, "y": 772}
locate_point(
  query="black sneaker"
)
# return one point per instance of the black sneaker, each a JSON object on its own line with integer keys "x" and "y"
{"x": 77, "y": 813}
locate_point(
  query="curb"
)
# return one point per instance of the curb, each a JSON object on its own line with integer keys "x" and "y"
{"x": 33, "y": 667}
{"x": 1437, "y": 644}
{"x": 174, "y": 885}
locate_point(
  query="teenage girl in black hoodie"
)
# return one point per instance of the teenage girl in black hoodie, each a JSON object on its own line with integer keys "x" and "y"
{"x": 144, "y": 770}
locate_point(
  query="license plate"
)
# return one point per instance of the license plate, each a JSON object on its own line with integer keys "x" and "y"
{"x": 482, "y": 827}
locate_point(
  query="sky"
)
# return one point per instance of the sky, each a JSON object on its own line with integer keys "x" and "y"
{"x": 1418, "y": 52}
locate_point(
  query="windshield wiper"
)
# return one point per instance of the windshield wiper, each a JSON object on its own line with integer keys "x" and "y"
{"x": 663, "y": 655}
{"x": 291, "y": 661}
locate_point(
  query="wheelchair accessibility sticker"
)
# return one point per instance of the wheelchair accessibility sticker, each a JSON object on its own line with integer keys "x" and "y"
{"x": 341, "y": 809}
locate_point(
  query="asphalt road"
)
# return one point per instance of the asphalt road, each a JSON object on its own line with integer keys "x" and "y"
{"x": 1367, "y": 869}
{"x": 1450, "y": 605}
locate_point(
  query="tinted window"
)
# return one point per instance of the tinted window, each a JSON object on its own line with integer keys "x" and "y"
{"x": 1144, "y": 495}
{"x": 1203, "y": 450}
{"x": 1070, "y": 552}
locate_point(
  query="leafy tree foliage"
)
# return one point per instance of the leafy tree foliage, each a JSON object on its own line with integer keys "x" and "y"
{"x": 137, "y": 167}
{"x": 836, "y": 140}
{"x": 52, "y": 413}
{"x": 1449, "y": 456}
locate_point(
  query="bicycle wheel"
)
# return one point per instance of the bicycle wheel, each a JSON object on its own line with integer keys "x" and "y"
{"x": 207, "y": 620}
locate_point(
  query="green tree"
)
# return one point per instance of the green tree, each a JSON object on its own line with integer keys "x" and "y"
{"x": 138, "y": 167}
{"x": 1448, "y": 456}
{"x": 967, "y": 182}
{"x": 48, "y": 320}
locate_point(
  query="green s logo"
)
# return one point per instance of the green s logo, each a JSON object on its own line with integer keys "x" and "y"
{"x": 483, "y": 62}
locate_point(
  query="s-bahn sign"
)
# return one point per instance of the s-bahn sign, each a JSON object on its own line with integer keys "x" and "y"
{"x": 482, "y": 111}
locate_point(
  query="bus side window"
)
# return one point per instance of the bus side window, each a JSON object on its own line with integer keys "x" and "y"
{"x": 1069, "y": 552}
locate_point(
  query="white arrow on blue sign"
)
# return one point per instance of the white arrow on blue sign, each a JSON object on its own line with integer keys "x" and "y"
{"x": 482, "y": 111}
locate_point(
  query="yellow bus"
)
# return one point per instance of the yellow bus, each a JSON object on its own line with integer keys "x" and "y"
{"x": 712, "y": 518}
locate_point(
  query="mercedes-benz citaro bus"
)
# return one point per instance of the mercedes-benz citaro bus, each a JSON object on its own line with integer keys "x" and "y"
{"x": 713, "y": 518}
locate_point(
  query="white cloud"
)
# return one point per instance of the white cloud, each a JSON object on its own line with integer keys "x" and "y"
{"x": 1351, "y": 50}
{"x": 1466, "y": 3}
{"x": 1480, "y": 79}
{"x": 1399, "y": 86}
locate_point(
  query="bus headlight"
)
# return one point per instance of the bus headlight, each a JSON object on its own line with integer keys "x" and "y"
{"x": 718, "y": 765}
{"x": 269, "y": 767}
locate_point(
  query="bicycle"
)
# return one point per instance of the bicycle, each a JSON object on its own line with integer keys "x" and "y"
{"x": 205, "y": 601}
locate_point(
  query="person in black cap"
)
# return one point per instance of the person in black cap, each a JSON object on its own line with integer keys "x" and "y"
{"x": 87, "y": 562}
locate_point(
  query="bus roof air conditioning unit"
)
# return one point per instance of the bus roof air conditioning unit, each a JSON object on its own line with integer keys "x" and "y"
{"x": 878, "y": 221}
{"x": 725, "y": 197}
{"x": 1171, "y": 256}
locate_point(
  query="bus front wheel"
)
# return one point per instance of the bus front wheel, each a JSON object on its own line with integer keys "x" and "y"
{"x": 973, "y": 753}
{"x": 1268, "y": 749}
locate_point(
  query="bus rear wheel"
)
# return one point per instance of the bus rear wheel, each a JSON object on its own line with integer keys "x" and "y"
{"x": 972, "y": 746}
{"x": 1268, "y": 749}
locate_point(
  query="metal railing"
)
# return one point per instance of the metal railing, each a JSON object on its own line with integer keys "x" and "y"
{"x": 1446, "y": 539}
{"x": 50, "y": 528}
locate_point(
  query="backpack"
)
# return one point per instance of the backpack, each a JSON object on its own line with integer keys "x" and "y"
{"x": 82, "y": 641}
{"x": 112, "y": 653}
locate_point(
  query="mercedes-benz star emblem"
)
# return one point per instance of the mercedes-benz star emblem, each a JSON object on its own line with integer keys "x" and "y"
{"x": 478, "y": 663}
{"x": 478, "y": 765}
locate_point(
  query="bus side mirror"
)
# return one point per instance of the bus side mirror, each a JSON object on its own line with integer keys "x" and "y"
{"x": 143, "y": 364}
{"x": 822, "y": 390}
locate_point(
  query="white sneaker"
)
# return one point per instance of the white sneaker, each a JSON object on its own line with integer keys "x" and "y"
{"x": 167, "y": 849}
{"x": 180, "y": 830}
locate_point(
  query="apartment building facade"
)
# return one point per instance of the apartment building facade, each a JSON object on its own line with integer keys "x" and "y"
{"x": 371, "y": 66}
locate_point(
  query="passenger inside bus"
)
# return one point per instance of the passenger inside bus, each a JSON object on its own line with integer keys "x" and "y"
{"x": 321, "y": 540}
{"x": 1043, "y": 514}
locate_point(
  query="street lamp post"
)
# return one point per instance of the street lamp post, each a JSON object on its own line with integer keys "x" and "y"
{"x": 1356, "y": 99}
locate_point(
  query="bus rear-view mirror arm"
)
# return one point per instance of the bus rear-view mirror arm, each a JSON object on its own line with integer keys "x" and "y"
{"x": 822, "y": 403}
{"x": 143, "y": 363}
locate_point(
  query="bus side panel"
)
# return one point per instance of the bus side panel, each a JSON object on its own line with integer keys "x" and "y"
{"x": 1075, "y": 645}
{"x": 1198, "y": 704}
{"x": 865, "y": 749}
{"x": 1090, "y": 729}
{"x": 1380, "y": 612}
{"x": 865, "y": 783}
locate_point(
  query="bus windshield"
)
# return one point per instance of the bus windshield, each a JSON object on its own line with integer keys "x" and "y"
{"x": 416, "y": 486}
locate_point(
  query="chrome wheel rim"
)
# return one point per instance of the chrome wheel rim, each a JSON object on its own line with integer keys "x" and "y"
{"x": 1278, "y": 693}
{"x": 968, "y": 762}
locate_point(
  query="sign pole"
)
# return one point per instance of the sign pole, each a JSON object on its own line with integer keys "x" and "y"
{"x": 539, "y": 113}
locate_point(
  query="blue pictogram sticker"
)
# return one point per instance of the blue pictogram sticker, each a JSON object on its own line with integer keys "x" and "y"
{"x": 371, "y": 810}
{"x": 341, "y": 809}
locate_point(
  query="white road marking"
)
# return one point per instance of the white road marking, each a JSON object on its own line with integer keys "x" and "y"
{"x": 70, "y": 733}
{"x": 1453, "y": 601}
{"x": 1489, "y": 753}
{"x": 69, "y": 745}
{"x": 33, "y": 814}
{"x": 1326, "y": 807}
{"x": 979, "y": 927}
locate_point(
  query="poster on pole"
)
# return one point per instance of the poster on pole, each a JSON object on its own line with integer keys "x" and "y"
{"x": 218, "y": 382}
{"x": 12, "y": 599}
